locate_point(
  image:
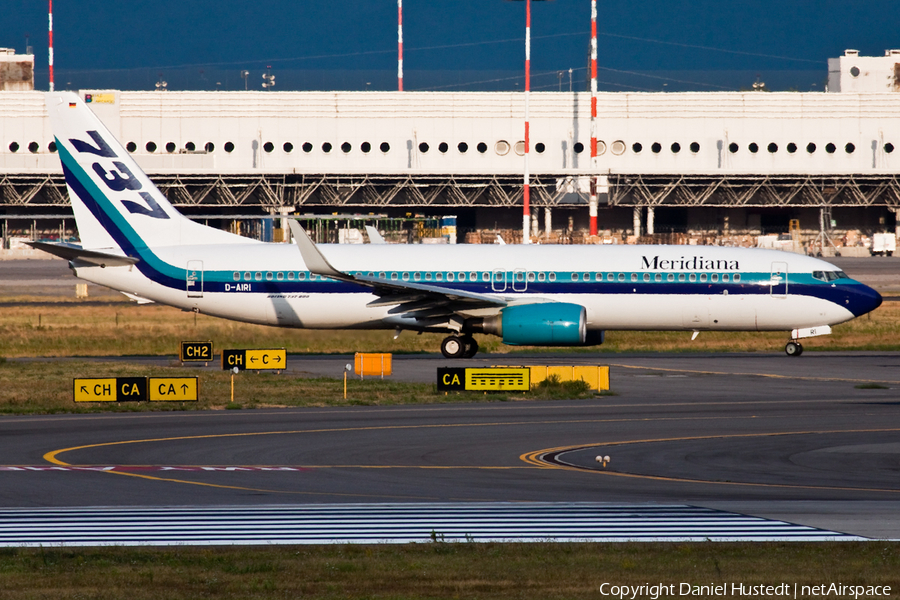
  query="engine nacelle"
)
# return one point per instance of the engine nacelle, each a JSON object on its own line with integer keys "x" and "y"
{"x": 544, "y": 324}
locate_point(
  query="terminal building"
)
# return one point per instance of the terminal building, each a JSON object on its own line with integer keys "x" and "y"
{"x": 698, "y": 167}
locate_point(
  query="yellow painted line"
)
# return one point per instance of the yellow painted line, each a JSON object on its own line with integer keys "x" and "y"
{"x": 51, "y": 456}
{"x": 536, "y": 458}
{"x": 768, "y": 375}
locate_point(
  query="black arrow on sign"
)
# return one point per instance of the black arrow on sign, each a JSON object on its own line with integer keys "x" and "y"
{"x": 84, "y": 390}
{"x": 253, "y": 359}
{"x": 184, "y": 388}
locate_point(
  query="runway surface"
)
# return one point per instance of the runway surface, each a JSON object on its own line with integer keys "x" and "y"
{"x": 793, "y": 440}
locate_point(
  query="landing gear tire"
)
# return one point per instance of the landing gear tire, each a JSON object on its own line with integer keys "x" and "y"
{"x": 453, "y": 347}
{"x": 793, "y": 349}
{"x": 470, "y": 345}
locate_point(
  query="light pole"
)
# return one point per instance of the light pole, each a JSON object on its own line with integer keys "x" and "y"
{"x": 526, "y": 196}
{"x": 592, "y": 204}
{"x": 399, "y": 45}
{"x": 50, "y": 40}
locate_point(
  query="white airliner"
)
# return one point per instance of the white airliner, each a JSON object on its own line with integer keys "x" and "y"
{"x": 134, "y": 241}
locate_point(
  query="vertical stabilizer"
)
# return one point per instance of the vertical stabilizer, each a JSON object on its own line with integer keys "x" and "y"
{"x": 115, "y": 203}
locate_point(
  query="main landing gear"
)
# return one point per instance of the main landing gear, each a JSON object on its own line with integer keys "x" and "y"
{"x": 459, "y": 346}
{"x": 793, "y": 348}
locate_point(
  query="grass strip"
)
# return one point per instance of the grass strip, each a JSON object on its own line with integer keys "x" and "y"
{"x": 46, "y": 386}
{"x": 436, "y": 570}
{"x": 126, "y": 329}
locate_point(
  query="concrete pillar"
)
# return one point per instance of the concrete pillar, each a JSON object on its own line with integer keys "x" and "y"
{"x": 548, "y": 222}
{"x": 636, "y": 216}
{"x": 286, "y": 230}
{"x": 650, "y": 217}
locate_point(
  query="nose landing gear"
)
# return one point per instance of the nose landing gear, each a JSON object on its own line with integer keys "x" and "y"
{"x": 459, "y": 347}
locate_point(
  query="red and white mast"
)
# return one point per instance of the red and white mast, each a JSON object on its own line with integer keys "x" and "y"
{"x": 526, "y": 199}
{"x": 50, "y": 30}
{"x": 399, "y": 45}
{"x": 592, "y": 206}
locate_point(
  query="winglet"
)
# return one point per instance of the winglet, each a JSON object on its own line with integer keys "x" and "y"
{"x": 314, "y": 259}
{"x": 374, "y": 236}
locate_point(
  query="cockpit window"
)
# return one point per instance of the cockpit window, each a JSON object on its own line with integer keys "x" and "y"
{"x": 829, "y": 275}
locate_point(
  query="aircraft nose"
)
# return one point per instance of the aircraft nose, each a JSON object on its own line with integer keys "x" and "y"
{"x": 861, "y": 299}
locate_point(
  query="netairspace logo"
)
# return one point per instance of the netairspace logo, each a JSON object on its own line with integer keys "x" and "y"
{"x": 782, "y": 590}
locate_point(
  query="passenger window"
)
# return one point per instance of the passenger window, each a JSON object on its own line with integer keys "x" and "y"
{"x": 692, "y": 277}
{"x": 236, "y": 276}
{"x": 587, "y": 276}
{"x": 621, "y": 276}
{"x": 301, "y": 276}
{"x": 725, "y": 277}
{"x": 542, "y": 276}
{"x": 291, "y": 276}
{"x": 681, "y": 277}
{"x": 449, "y": 276}
{"x": 485, "y": 276}
{"x": 405, "y": 276}
{"x": 634, "y": 276}
{"x": 737, "y": 277}
{"x": 531, "y": 277}
{"x": 462, "y": 277}
{"x": 258, "y": 276}
{"x": 670, "y": 277}
{"x": 428, "y": 276}
{"x": 417, "y": 276}
{"x": 611, "y": 276}
{"x": 574, "y": 276}
{"x": 552, "y": 276}
{"x": 715, "y": 277}
{"x": 247, "y": 276}
{"x": 268, "y": 276}
{"x": 473, "y": 276}
{"x": 439, "y": 276}
{"x": 280, "y": 276}
{"x": 382, "y": 275}
{"x": 598, "y": 276}
{"x": 703, "y": 277}
{"x": 394, "y": 276}
{"x": 646, "y": 276}
{"x": 658, "y": 277}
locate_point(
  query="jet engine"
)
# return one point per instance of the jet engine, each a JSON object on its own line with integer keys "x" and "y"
{"x": 544, "y": 324}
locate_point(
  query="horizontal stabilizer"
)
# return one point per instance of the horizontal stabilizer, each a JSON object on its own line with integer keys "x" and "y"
{"x": 77, "y": 253}
{"x": 138, "y": 299}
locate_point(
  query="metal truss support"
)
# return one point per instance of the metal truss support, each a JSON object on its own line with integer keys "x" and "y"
{"x": 275, "y": 191}
{"x": 754, "y": 190}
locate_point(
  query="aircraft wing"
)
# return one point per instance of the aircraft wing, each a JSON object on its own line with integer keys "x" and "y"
{"x": 427, "y": 305}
